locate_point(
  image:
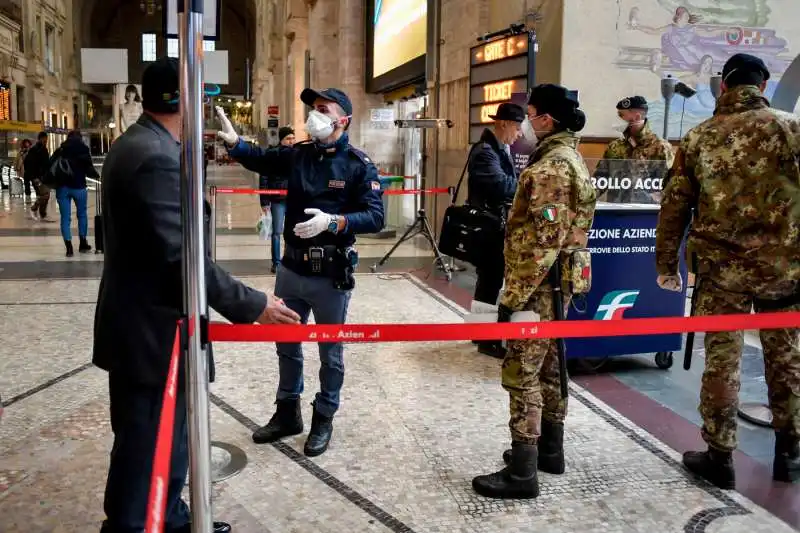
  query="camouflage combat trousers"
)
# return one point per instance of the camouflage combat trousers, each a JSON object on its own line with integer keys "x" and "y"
{"x": 719, "y": 392}
{"x": 531, "y": 377}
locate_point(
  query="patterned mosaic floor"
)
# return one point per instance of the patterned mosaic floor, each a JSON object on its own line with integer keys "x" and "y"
{"x": 418, "y": 421}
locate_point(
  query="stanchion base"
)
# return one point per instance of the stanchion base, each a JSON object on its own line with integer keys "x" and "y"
{"x": 756, "y": 413}
{"x": 227, "y": 460}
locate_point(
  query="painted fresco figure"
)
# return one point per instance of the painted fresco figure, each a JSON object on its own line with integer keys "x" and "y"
{"x": 641, "y": 153}
{"x": 740, "y": 170}
{"x": 552, "y": 212}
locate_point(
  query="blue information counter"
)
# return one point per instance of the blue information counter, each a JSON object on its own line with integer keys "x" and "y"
{"x": 622, "y": 243}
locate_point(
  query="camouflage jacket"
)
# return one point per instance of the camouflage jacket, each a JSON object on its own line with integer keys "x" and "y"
{"x": 553, "y": 210}
{"x": 739, "y": 169}
{"x": 645, "y": 145}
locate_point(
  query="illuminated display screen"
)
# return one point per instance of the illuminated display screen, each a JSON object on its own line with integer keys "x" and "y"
{"x": 5, "y": 103}
{"x": 400, "y": 33}
{"x": 502, "y": 49}
{"x": 498, "y": 71}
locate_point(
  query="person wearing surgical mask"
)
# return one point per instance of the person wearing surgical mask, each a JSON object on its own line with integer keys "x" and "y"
{"x": 552, "y": 213}
{"x": 640, "y": 153}
{"x": 333, "y": 194}
{"x": 491, "y": 186}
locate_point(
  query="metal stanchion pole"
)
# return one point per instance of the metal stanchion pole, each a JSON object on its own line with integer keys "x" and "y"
{"x": 212, "y": 234}
{"x": 190, "y": 35}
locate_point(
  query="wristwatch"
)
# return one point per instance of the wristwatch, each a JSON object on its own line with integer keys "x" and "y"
{"x": 333, "y": 225}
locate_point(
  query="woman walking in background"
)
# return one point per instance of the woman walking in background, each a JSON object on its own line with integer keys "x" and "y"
{"x": 275, "y": 205}
{"x": 71, "y": 172}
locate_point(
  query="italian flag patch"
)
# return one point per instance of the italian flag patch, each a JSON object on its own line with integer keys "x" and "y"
{"x": 550, "y": 213}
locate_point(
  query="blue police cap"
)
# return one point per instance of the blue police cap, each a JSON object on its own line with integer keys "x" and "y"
{"x": 334, "y": 95}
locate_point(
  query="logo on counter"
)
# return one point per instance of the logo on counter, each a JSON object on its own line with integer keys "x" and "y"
{"x": 614, "y": 304}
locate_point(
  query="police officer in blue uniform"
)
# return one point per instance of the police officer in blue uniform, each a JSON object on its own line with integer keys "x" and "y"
{"x": 333, "y": 194}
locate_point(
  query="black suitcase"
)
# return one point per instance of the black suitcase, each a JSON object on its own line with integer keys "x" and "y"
{"x": 98, "y": 222}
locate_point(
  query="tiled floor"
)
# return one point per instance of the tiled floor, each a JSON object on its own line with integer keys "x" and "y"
{"x": 416, "y": 423}
{"x": 417, "y": 420}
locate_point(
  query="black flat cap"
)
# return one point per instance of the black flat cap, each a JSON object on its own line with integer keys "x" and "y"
{"x": 334, "y": 95}
{"x": 632, "y": 102}
{"x": 511, "y": 112}
{"x": 746, "y": 64}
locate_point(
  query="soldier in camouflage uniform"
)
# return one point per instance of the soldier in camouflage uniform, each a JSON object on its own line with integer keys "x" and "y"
{"x": 552, "y": 212}
{"x": 740, "y": 170}
{"x": 639, "y": 144}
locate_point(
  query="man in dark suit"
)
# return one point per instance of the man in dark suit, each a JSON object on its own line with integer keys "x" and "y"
{"x": 491, "y": 185}
{"x": 141, "y": 300}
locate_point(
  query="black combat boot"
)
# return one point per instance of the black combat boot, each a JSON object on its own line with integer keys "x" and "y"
{"x": 320, "y": 434}
{"x": 492, "y": 349}
{"x": 518, "y": 480}
{"x": 551, "y": 449}
{"x": 287, "y": 421}
{"x": 786, "y": 466}
{"x": 84, "y": 247}
{"x": 70, "y": 250}
{"x": 714, "y": 466}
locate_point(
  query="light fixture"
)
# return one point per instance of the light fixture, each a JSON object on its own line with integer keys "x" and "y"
{"x": 112, "y": 125}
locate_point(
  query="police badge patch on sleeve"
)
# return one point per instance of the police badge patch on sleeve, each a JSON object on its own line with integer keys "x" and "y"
{"x": 376, "y": 186}
{"x": 550, "y": 213}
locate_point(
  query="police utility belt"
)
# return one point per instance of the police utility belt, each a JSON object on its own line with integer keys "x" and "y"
{"x": 337, "y": 264}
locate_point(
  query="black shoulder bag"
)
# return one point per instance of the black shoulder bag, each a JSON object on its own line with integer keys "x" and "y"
{"x": 470, "y": 233}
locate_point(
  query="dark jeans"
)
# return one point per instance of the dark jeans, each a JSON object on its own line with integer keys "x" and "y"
{"x": 304, "y": 295}
{"x": 27, "y": 184}
{"x": 490, "y": 280}
{"x": 135, "y": 412}
{"x": 277, "y": 211}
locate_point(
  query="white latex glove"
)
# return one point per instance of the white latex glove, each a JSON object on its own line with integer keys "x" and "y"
{"x": 228, "y": 134}
{"x": 313, "y": 227}
{"x": 670, "y": 283}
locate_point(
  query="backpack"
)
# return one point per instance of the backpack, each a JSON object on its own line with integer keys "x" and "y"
{"x": 60, "y": 172}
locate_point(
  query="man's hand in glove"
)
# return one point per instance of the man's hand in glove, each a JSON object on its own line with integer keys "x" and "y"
{"x": 228, "y": 134}
{"x": 319, "y": 223}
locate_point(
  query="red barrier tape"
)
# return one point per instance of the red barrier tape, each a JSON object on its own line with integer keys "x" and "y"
{"x": 529, "y": 330}
{"x": 282, "y": 192}
{"x": 159, "y": 482}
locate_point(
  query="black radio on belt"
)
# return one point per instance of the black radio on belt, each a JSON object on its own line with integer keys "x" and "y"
{"x": 316, "y": 258}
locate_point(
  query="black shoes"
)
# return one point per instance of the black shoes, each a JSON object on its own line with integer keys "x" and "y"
{"x": 551, "y": 449}
{"x": 518, "y": 480}
{"x": 715, "y": 466}
{"x": 786, "y": 465}
{"x": 286, "y": 422}
{"x": 84, "y": 247}
{"x": 320, "y": 435}
{"x": 70, "y": 250}
{"x": 492, "y": 349}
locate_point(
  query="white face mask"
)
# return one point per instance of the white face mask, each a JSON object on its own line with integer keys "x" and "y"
{"x": 527, "y": 130}
{"x": 624, "y": 125}
{"x": 319, "y": 126}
